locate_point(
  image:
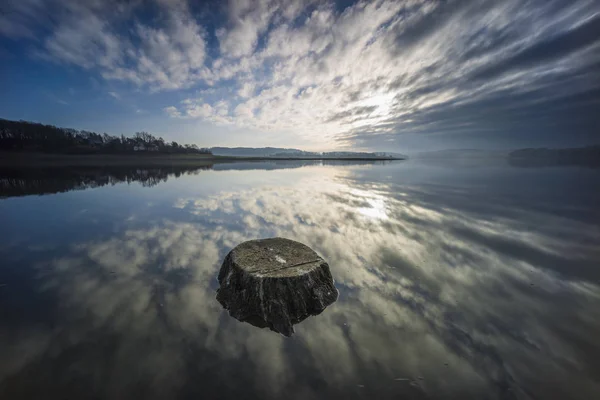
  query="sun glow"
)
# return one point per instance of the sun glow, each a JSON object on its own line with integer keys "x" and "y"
{"x": 382, "y": 107}
{"x": 377, "y": 209}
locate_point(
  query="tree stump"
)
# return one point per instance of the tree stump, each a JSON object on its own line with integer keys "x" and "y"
{"x": 275, "y": 283}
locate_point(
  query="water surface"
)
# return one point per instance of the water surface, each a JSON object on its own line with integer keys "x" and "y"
{"x": 455, "y": 282}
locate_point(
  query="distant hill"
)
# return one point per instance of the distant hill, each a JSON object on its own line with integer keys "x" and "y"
{"x": 251, "y": 151}
{"x": 532, "y": 157}
{"x": 539, "y": 157}
{"x": 278, "y": 152}
{"x": 461, "y": 153}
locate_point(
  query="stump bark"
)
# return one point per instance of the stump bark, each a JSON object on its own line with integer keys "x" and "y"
{"x": 275, "y": 283}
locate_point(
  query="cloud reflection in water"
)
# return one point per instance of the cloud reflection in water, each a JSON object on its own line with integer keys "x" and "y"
{"x": 478, "y": 296}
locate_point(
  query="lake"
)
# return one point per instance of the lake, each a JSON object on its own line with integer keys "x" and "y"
{"x": 476, "y": 280}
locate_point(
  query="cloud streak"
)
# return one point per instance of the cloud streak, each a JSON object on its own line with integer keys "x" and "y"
{"x": 370, "y": 73}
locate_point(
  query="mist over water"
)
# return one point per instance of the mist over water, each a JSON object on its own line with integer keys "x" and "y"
{"x": 477, "y": 281}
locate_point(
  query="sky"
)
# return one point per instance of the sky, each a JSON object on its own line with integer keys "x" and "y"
{"x": 381, "y": 75}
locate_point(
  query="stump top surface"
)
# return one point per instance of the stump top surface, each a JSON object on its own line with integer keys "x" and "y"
{"x": 275, "y": 258}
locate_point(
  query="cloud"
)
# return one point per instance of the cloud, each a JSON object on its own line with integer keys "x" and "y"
{"x": 16, "y": 17}
{"x": 216, "y": 113}
{"x": 561, "y": 45}
{"x": 404, "y": 63}
{"x": 308, "y": 69}
{"x": 173, "y": 112}
{"x": 94, "y": 35}
{"x": 171, "y": 57}
{"x": 357, "y": 111}
{"x": 247, "y": 20}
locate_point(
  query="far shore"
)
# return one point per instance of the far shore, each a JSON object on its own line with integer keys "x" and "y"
{"x": 24, "y": 160}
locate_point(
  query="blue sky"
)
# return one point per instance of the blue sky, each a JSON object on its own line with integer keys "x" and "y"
{"x": 381, "y": 75}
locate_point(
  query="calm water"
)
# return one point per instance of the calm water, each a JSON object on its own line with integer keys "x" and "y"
{"x": 455, "y": 282}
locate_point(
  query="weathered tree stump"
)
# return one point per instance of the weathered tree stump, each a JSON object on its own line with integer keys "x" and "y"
{"x": 275, "y": 283}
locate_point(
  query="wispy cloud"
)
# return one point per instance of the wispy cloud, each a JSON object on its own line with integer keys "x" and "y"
{"x": 167, "y": 55}
{"x": 172, "y": 111}
{"x": 360, "y": 75}
{"x": 363, "y": 75}
{"x": 57, "y": 99}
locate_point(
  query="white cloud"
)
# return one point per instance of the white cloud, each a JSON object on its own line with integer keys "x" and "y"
{"x": 15, "y": 16}
{"x": 392, "y": 59}
{"x": 172, "y": 111}
{"x": 247, "y": 20}
{"x": 200, "y": 110}
{"x": 308, "y": 69}
{"x": 246, "y": 90}
{"x": 171, "y": 57}
{"x": 168, "y": 55}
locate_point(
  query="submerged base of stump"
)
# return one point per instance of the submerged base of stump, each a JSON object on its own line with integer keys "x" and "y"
{"x": 275, "y": 283}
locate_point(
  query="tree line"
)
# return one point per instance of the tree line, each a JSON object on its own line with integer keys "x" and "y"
{"x": 30, "y": 181}
{"x": 34, "y": 137}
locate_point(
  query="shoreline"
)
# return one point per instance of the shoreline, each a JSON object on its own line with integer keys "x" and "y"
{"x": 33, "y": 160}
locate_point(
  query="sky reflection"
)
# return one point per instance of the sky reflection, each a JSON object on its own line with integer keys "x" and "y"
{"x": 448, "y": 288}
